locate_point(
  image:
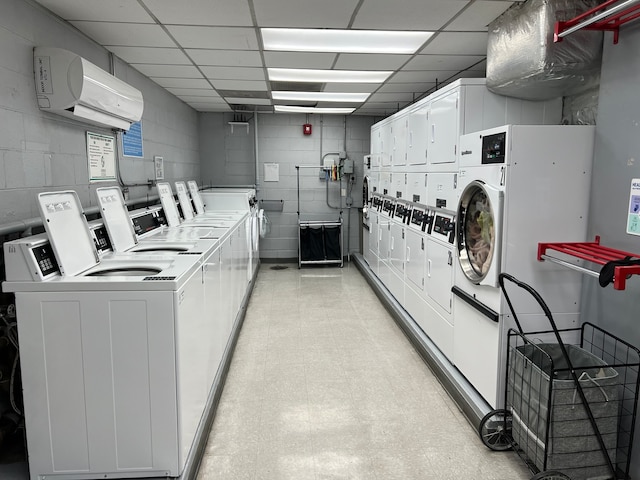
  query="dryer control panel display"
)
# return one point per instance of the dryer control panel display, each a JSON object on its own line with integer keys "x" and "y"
{"x": 494, "y": 148}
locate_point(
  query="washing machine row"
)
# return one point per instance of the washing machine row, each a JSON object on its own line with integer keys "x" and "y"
{"x": 120, "y": 348}
{"x": 411, "y": 251}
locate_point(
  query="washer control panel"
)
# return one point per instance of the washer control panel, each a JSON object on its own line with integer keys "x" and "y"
{"x": 45, "y": 259}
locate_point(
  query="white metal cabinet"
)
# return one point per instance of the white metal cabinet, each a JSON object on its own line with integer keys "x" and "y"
{"x": 444, "y": 129}
{"x": 386, "y": 143}
{"x": 439, "y": 278}
{"x": 415, "y": 258}
{"x": 376, "y": 146}
{"x": 416, "y": 187}
{"x": 374, "y": 238}
{"x": 399, "y": 134}
{"x": 417, "y": 141}
{"x": 384, "y": 243}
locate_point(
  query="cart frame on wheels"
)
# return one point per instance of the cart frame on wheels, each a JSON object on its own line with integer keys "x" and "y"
{"x": 326, "y": 228}
{"x": 570, "y": 405}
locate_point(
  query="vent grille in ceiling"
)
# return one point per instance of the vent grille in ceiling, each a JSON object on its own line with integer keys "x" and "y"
{"x": 296, "y": 86}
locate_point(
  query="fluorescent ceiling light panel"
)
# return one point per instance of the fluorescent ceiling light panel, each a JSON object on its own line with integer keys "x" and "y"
{"x": 326, "y": 76}
{"x": 321, "y": 96}
{"x": 294, "y": 109}
{"x": 344, "y": 41}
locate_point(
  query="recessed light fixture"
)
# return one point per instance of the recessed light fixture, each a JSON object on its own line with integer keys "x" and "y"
{"x": 294, "y": 109}
{"x": 321, "y": 96}
{"x": 343, "y": 41}
{"x": 326, "y": 76}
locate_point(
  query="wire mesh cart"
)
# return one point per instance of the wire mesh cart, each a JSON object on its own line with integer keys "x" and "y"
{"x": 570, "y": 405}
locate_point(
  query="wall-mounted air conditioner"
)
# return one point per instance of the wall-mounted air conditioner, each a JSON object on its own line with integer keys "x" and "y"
{"x": 69, "y": 85}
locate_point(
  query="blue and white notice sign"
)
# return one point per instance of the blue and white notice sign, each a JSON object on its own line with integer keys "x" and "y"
{"x": 633, "y": 221}
{"x": 132, "y": 141}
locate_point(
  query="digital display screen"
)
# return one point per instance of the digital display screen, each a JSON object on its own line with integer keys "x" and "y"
{"x": 494, "y": 148}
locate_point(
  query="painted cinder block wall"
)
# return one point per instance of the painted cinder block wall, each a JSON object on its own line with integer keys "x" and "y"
{"x": 40, "y": 151}
{"x": 228, "y": 158}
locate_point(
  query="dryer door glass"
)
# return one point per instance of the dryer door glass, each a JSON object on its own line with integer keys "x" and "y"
{"x": 476, "y": 232}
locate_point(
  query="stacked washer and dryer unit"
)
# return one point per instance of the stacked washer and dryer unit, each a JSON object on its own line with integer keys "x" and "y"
{"x": 420, "y": 166}
{"x": 519, "y": 185}
{"x": 120, "y": 345}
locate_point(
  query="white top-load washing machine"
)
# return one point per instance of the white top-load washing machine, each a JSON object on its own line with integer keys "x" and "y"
{"x": 123, "y": 238}
{"x": 519, "y": 185}
{"x": 230, "y": 200}
{"x": 112, "y": 352}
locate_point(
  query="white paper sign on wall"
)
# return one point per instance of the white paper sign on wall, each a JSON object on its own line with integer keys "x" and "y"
{"x": 158, "y": 164}
{"x": 633, "y": 219}
{"x": 101, "y": 156}
{"x": 271, "y": 172}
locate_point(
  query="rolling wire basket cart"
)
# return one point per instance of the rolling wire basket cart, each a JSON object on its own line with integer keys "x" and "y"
{"x": 570, "y": 408}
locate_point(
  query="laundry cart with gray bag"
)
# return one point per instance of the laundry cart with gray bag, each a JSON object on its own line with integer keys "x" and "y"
{"x": 570, "y": 404}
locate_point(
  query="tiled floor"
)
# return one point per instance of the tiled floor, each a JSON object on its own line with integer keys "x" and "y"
{"x": 324, "y": 385}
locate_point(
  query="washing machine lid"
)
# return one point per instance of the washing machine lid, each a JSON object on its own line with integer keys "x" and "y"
{"x": 168, "y": 204}
{"x": 116, "y": 219}
{"x": 185, "y": 201}
{"x": 195, "y": 195}
{"x": 478, "y": 230}
{"x": 68, "y": 231}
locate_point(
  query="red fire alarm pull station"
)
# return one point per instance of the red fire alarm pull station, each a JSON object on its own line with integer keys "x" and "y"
{"x": 306, "y": 129}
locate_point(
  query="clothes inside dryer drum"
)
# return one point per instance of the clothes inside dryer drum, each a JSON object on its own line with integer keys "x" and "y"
{"x": 479, "y": 232}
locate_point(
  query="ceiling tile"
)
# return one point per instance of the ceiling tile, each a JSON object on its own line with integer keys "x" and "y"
{"x": 168, "y": 71}
{"x": 479, "y": 15}
{"x": 356, "y": 61}
{"x": 203, "y": 107}
{"x": 202, "y": 100}
{"x": 231, "y": 73}
{"x": 166, "y": 56}
{"x": 223, "y": 38}
{"x": 405, "y": 87}
{"x": 239, "y": 85}
{"x": 423, "y": 76}
{"x": 182, "y": 82}
{"x": 299, "y": 60}
{"x": 304, "y": 13}
{"x": 458, "y": 43}
{"x": 248, "y": 101}
{"x": 351, "y": 87}
{"x": 195, "y": 92}
{"x": 443, "y": 62}
{"x": 202, "y": 12}
{"x": 237, "y": 58}
{"x": 126, "y": 34}
{"x": 118, "y": 11}
{"x": 418, "y": 14}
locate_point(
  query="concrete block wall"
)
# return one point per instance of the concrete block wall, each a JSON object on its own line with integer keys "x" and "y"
{"x": 228, "y": 158}
{"x": 40, "y": 151}
{"x": 281, "y": 141}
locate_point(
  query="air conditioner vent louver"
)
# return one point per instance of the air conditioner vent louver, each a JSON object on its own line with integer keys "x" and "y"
{"x": 296, "y": 87}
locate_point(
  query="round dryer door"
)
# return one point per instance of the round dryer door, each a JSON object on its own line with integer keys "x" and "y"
{"x": 478, "y": 227}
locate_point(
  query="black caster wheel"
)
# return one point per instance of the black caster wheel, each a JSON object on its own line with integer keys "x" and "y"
{"x": 495, "y": 430}
{"x": 550, "y": 475}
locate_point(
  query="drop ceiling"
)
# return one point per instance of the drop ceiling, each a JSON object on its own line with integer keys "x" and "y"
{"x": 209, "y": 53}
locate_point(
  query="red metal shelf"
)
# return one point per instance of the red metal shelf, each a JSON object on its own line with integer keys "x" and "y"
{"x": 600, "y": 18}
{"x": 595, "y": 253}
